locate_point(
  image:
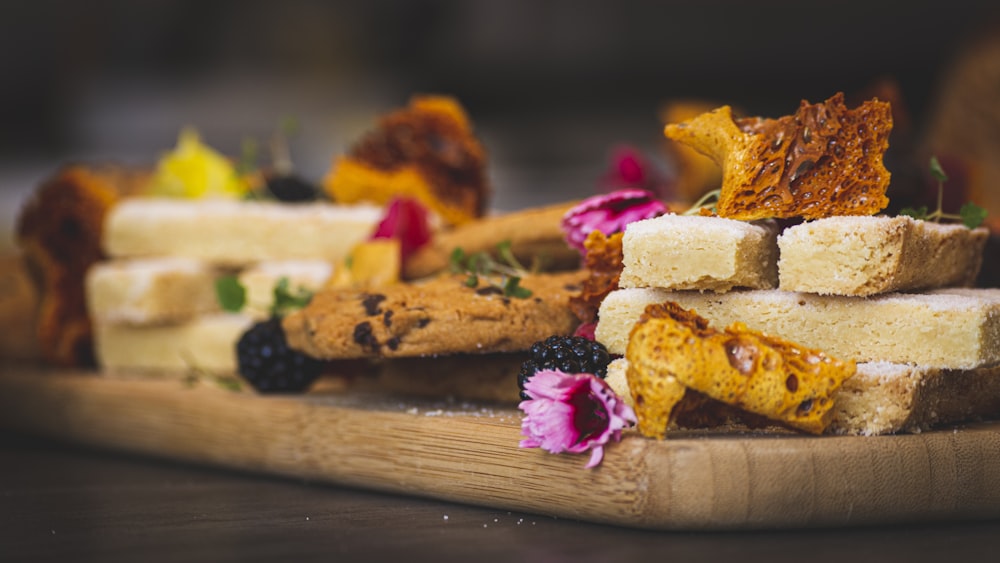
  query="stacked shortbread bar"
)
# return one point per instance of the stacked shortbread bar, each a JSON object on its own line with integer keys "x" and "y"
{"x": 889, "y": 293}
{"x": 154, "y": 305}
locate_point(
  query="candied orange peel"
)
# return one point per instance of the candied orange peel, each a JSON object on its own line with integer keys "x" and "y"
{"x": 824, "y": 160}
{"x": 426, "y": 151}
{"x": 672, "y": 351}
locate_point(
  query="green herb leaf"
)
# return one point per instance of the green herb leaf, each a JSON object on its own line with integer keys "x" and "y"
{"x": 937, "y": 171}
{"x": 512, "y": 288}
{"x": 286, "y": 301}
{"x": 456, "y": 261}
{"x": 472, "y": 280}
{"x": 249, "y": 154}
{"x": 229, "y": 383}
{"x": 231, "y": 294}
{"x": 507, "y": 255}
{"x": 972, "y": 215}
{"x": 919, "y": 213}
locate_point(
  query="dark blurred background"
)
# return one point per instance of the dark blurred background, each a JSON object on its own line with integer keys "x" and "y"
{"x": 551, "y": 85}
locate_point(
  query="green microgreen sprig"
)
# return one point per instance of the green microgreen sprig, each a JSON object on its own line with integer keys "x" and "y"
{"x": 285, "y": 301}
{"x": 970, "y": 214}
{"x": 709, "y": 201}
{"x": 232, "y": 296}
{"x": 503, "y": 272}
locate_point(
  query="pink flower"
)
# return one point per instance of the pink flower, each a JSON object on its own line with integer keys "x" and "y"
{"x": 572, "y": 413}
{"x": 609, "y": 214}
{"x": 586, "y": 330}
{"x": 405, "y": 219}
{"x": 629, "y": 168}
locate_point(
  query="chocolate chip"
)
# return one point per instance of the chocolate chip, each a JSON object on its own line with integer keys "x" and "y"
{"x": 423, "y": 322}
{"x": 387, "y": 319}
{"x": 371, "y": 302}
{"x": 392, "y": 343}
{"x": 364, "y": 336}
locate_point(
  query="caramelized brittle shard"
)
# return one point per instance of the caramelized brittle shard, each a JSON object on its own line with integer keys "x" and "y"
{"x": 59, "y": 231}
{"x": 824, "y": 160}
{"x": 672, "y": 351}
{"x": 426, "y": 151}
{"x": 603, "y": 263}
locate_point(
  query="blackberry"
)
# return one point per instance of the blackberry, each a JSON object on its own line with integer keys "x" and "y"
{"x": 269, "y": 365}
{"x": 569, "y": 354}
{"x": 291, "y": 188}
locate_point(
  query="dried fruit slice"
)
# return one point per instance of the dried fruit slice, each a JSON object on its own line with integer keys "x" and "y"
{"x": 672, "y": 350}
{"x": 824, "y": 160}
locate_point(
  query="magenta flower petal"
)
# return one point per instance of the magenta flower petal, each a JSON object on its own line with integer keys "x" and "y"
{"x": 609, "y": 214}
{"x": 407, "y": 220}
{"x": 572, "y": 413}
{"x": 629, "y": 168}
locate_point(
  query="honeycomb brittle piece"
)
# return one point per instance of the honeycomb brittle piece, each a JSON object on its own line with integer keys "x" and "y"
{"x": 427, "y": 151}
{"x": 59, "y": 231}
{"x": 824, "y": 160}
{"x": 672, "y": 350}
{"x": 603, "y": 262}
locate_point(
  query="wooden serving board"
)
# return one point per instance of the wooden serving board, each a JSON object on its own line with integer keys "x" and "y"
{"x": 469, "y": 454}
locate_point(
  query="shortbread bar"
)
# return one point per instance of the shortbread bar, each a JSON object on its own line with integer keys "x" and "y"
{"x": 236, "y": 233}
{"x": 938, "y": 329}
{"x": 696, "y": 252}
{"x": 207, "y": 343}
{"x": 854, "y": 255}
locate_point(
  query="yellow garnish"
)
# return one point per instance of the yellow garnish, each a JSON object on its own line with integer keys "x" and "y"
{"x": 195, "y": 170}
{"x": 373, "y": 263}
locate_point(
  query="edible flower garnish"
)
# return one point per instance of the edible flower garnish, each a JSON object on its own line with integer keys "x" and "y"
{"x": 631, "y": 169}
{"x": 609, "y": 214}
{"x": 405, "y": 219}
{"x": 195, "y": 170}
{"x": 970, "y": 214}
{"x": 572, "y": 413}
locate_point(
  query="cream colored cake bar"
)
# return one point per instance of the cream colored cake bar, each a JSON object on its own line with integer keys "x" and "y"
{"x": 944, "y": 330}
{"x": 260, "y": 280}
{"x": 150, "y": 291}
{"x": 207, "y": 343}
{"x": 863, "y": 256}
{"x": 886, "y": 398}
{"x": 235, "y": 233}
{"x": 695, "y": 252}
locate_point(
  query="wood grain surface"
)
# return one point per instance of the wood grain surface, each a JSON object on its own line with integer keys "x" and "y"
{"x": 468, "y": 453}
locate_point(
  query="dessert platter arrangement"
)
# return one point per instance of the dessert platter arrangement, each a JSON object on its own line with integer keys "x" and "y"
{"x": 778, "y": 350}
